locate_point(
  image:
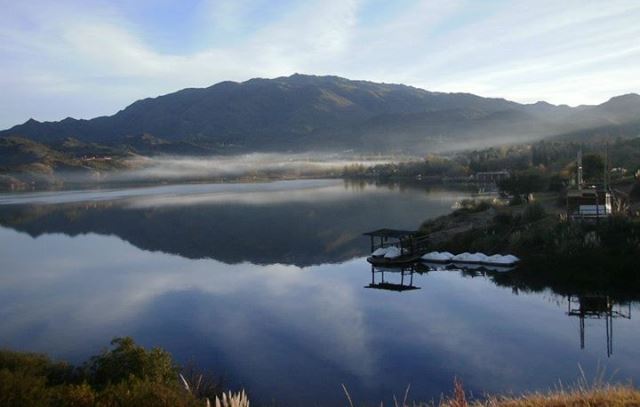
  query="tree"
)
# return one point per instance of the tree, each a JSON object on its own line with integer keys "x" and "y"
{"x": 522, "y": 183}
{"x": 592, "y": 167}
{"x": 128, "y": 359}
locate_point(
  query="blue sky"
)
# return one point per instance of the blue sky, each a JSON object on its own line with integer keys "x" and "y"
{"x": 93, "y": 57}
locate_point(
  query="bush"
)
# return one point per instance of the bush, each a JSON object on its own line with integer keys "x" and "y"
{"x": 472, "y": 206}
{"x": 503, "y": 219}
{"x": 533, "y": 212}
{"x": 634, "y": 194}
{"x": 126, "y": 375}
{"x": 138, "y": 392}
{"x": 21, "y": 388}
{"x": 73, "y": 395}
{"x": 525, "y": 182}
{"x": 128, "y": 360}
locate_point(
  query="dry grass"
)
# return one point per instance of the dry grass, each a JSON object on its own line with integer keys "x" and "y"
{"x": 610, "y": 396}
{"x": 583, "y": 394}
{"x": 232, "y": 400}
{"x": 602, "y": 395}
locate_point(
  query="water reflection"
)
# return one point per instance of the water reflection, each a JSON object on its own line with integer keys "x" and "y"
{"x": 470, "y": 268}
{"x": 583, "y": 307}
{"x": 597, "y": 307}
{"x": 90, "y": 270}
{"x": 401, "y": 277}
{"x": 404, "y": 282}
{"x": 290, "y": 222}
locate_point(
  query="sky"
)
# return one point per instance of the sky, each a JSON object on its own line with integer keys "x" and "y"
{"x": 86, "y": 58}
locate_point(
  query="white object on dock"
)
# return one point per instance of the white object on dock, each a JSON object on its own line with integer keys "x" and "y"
{"x": 482, "y": 258}
{"x": 392, "y": 252}
{"x": 467, "y": 257}
{"x": 380, "y": 252}
{"x": 438, "y": 256}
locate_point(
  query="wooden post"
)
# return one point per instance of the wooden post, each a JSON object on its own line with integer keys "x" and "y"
{"x": 581, "y": 331}
{"x": 597, "y": 208}
{"x": 609, "y": 334}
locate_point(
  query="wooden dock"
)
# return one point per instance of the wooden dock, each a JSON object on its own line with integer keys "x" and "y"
{"x": 411, "y": 244}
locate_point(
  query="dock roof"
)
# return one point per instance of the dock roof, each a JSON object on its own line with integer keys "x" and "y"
{"x": 394, "y": 233}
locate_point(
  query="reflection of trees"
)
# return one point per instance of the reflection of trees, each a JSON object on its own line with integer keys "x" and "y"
{"x": 597, "y": 307}
{"x": 300, "y": 233}
{"x": 575, "y": 277}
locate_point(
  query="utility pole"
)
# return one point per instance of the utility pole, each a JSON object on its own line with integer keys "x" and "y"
{"x": 579, "y": 162}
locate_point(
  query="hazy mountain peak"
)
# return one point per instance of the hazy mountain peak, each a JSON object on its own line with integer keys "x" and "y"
{"x": 310, "y": 112}
{"x": 542, "y": 103}
{"x": 626, "y": 98}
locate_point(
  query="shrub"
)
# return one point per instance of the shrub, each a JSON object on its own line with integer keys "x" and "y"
{"x": 73, "y": 395}
{"x": 533, "y": 212}
{"x": 524, "y": 182}
{"x": 472, "y": 206}
{"x": 503, "y": 218}
{"x": 126, "y": 375}
{"x": 144, "y": 392}
{"x": 130, "y": 360}
{"x": 21, "y": 388}
{"x": 634, "y": 194}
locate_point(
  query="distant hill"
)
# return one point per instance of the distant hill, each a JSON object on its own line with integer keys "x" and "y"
{"x": 24, "y": 162}
{"x": 325, "y": 113}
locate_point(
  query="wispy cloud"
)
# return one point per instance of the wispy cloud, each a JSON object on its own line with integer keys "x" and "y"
{"x": 84, "y": 59}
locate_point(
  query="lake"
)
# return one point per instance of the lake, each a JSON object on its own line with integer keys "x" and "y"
{"x": 267, "y": 285}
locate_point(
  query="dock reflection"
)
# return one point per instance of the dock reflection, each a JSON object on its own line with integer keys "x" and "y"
{"x": 398, "y": 279}
{"x": 597, "y": 307}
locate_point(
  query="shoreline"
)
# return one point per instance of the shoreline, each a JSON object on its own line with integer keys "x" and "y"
{"x": 126, "y": 374}
{"x": 567, "y": 256}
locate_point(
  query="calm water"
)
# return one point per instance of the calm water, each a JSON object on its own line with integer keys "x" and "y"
{"x": 265, "y": 284}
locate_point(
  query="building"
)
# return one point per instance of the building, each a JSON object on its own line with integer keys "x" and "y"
{"x": 589, "y": 203}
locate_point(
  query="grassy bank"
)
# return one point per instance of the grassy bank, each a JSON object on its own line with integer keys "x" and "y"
{"x": 600, "y": 396}
{"x": 580, "y": 395}
{"x": 605, "y": 396}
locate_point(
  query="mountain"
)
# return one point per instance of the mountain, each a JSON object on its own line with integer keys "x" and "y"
{"x": 324, "y": 113}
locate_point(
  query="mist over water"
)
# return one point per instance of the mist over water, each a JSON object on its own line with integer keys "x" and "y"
{"x": 219, "y": 168}
{"x": 249, "y": 165}
{"x": 181, "y": 167}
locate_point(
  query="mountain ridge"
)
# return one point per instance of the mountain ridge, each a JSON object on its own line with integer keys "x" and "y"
{"x": 308, "y": 112}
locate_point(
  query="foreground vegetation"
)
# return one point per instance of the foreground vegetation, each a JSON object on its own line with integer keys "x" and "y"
{"x": 597, "y": 394}
{"x": 124, "y": 375}
{"x": 128, "y": 375}
{"x": 594, "y": 396}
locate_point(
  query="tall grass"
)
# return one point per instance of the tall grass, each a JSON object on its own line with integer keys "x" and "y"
{"x": 232, "y": 400}
{"x": 584, "y": 393}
